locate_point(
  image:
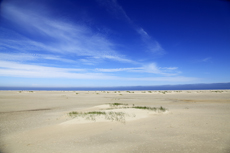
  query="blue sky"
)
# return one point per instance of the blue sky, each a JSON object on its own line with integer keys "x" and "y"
{"x": 82, "y": 43}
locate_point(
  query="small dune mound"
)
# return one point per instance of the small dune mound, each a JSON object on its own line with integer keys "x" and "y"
{"x": 113, "y": 112}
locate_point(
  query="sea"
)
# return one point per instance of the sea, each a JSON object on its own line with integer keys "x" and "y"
{"x": 211, "y": 86}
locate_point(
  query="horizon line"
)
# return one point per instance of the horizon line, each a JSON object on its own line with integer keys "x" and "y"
{"x": 197, "y": 86}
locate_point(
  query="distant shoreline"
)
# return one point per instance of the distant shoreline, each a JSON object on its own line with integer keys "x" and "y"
{"x": 213, "y": 86}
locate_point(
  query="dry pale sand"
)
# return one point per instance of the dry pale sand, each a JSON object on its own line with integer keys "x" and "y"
{"x": 38, "y": 122}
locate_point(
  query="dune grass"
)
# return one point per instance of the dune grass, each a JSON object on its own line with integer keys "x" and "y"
{"x": 117, "y": 104}
{"x": 151, "y": 108}
{"x": 145, "y": 107}
{"x": 113, "y": 116}
{"x": 122, "y": 105}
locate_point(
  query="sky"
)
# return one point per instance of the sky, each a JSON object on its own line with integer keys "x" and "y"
{"x": 104, "y": 43}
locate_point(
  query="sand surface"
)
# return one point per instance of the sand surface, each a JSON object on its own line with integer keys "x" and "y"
{"x": 38, "y": 122}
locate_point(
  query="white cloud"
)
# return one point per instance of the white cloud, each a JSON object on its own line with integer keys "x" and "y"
{"x": 115, "y": 70}
{"x": 166, "y": 79}
{"x": 152, "y": 45}
{"x": 67, "y": 39}
{"x": 121, "y": 59}
{"x": 152, "y": 68}
{"x": 170, "y": 68}
{"x": 143, "y": 33}
{"x": 114, "y": 8}
{"x": 29, "y": 67}
{"x": 148, "y": 68}
{"x": 15, "y": 69}
{"x": 56, "y": 36}
{"x": 206, "y": 59}
{"x": 33, "y": 57}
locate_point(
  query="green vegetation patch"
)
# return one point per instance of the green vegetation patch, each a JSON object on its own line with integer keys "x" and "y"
{"x": 217, "y": 91}
{"x": 86, "y": 113}
{"x": 117, "y": 104}
{"x": 122, "y": 105}
{"x": 151, "y": 108}
{"x": 113, "y": 116}
{"x": 145, "y": 107}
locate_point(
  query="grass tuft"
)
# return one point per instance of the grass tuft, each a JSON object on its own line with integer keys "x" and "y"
{"x": 145, "y": 107}
{"x": 96, "y": 113}
{"x": 151, "y": 108}
{"x": 117, "y": 104}
{"x": 162, "y": 109}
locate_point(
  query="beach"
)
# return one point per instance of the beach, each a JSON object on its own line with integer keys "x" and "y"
{"x": 191, "y": 121}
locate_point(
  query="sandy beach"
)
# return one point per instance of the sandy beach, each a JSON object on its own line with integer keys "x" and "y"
{"x": 40, "y": 121}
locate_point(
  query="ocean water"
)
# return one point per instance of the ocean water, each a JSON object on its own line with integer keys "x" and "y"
{"x": 213, "y": 86}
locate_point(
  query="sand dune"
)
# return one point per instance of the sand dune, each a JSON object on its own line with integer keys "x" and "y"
{"x": 121, "y": 113}
{"x": 39, "y": 121}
